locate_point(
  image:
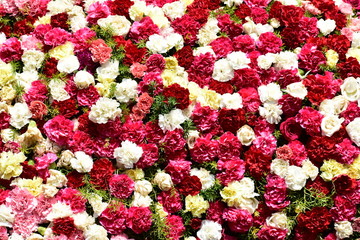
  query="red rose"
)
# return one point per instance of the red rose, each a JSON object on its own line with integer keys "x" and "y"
{"x": 64, "y": 226}
{"x": 101, "y": 173}
{"x": 316, "y": 220}
{"x": 190, "y": 185}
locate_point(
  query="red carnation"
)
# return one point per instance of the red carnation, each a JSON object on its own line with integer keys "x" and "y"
{"x": 344, "y": 184}
{"x": 121, "y": 186}
{"x": 232, "y": 119}
{"x": 191, "y": 185}
{"x": 179, "y": 93}
{"x": 139, "y": 219}
{"x": 101, "y": 173}
{"x": 316, "y": 220}
{"x": 64, "y": 226}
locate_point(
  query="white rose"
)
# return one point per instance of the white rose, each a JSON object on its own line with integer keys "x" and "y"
{"x": 141, "y": 200}
{"x": 191, "y": 138}
{"x": 209, "y": 230}
{"x": 83, "y": 79}
{"x": 279, "y": 167}
{"x": 68, "y": 64}
{"x": 163, "y": 180}
{"x": 128, "y": 154}
{"x": 265, "y": 61}
{"x": 171, "y": 120}
{"x": 271, "y": 112}
{"x": 57, "y": 90}
{"x": 238, "y": 60}
{"x": 340, "y": 104}
{"x": 343, "y": 229}
{"x": 143, "y": 187}
{"x": 246, "y": 135}
{"x": 104, "y": 110}
{"x": 95, "y": 232}
{"x": 231, "y": 101}
{"x": 353, "y": 129}
{"x": 277, "y": 220}
{"x": 350, "y": 89}
{"x": 126, "y": 90}
{"x": 82, "y": 162}
{"x": 310, "y": 169}
{"x": 270, "y": 93}
{"x": 295, "y": 178}
{"x": 119, "y": 25}
{"x": 19, "y": 115}
{"x": 223, "y": 71}
{"x": 326, "y": 26}
{"x": 330, "y": 124}
{"x": 297, "y": 90}
{"x": 207, "y": 180}
{"x": 174, "y": 10}
{"x": 6, "y": 216}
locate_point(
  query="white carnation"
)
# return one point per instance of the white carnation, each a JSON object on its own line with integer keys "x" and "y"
{"x": 108, "y": 70}
{"x": 82, "y": 162}
{"x": 204, "y": 50}
{"x": 350, "y": 89}
{"x": 171, "y": 120}
{"x": 231, "y": 101}
{"x": 83, "y": 79}
{"x": 353, "y": 129}
{"x": 279, "y": 167}
{"x": 141, "y": 200}
{"x": 59, "y": 210}
{"x": 143, "y": 187}
{"x": 277, "y": 220}
{"x": 174, "y": 10}
{"x": 119, "y": 25}
{"x": 163, "y": 180}
{"x": 326, "y": 26}
{"x": 231, "y": 3}
{"x": 57, "y": 90}
{"x": 295, "y": 178}
{"x": 207, "y": 180}
{"x": 157, "y": 44}
{"x": 83, "y": 220}
{"x": 19, "y": 115}
{"x": 137, "y": 10}
{"x": 271, "y": 112}
{"x": 343, "y": 229}
{"x": 310, "y": 169}
{"x": 56, "y": 178}
{"x": 6, "y": 216}
{"x": 209, "y": 230}
{"x": 126, "y": 90}
{"x": 97, "y": 204}
{"x": 330, "y": 124}
{"x": 95, "y": 232}
{"x": 104, "y": 110}
{"x": 297, "y": 90}
{"x": 191, "y": 138}
{"x": 270, "y": 93}
{"x": 223, "y": 71}
{"x": 238, "y": 60}
{"x": 32, "y": 59}
{"x": 128, "y": 154}
{"x": 286, "y": 60}
{"x": 265, "y": 61}
{"x": 68, "y": 64}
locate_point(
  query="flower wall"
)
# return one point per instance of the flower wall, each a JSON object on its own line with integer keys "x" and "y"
{"x": 188, "y": 119}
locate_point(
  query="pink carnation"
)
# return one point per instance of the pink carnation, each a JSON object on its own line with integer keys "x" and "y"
{"x": 344, "y": 209}
{"x": 96, "y": 11}
{"x": 56, "y": 37}
{"x": 73, "y": 198}
{"x": 204, "y": 150}
{"x": 3, "y": 233}
{"x": 176, "y": 225}
{"x": 113, "y": 218}
{"x": 269, "y": 43}
{"x": 178, "y": 170}
{"x": 272, "y": 233}
{"x": 138, "y": 70}
{"x": 149, "y": 157}
{"x": 310, "y": 120}
{"x": 37, "y": 92}
{"x": 347, "y": 151}
{"x": 215, "y": 212}
{"x": 43, "y": 163}
{"x": 21, "y": 201}
{"x": 238, "y": 220}
{"x": 59, "y": 129}
{"x": 139, "y": 219}
{"x": 30, "y": 42}
{"x": 229, "y": 146}
{"x": 275, "y": 192}
{"x": 121, "y": 186}
{"x": 11, "y": 50}
{"x": 232, "y": 170}
{"x": 81, "y": 38}
{"x": 266, "y": 142}
{"x": 170, "y": 200}
{"x": 100, "y": 51}
{"x": 222, "y": 46}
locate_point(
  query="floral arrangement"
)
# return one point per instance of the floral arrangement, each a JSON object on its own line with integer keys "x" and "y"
{"x": 179, "y": 119}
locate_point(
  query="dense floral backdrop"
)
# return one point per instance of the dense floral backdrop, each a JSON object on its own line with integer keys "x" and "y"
{"x": 188, "y": 119}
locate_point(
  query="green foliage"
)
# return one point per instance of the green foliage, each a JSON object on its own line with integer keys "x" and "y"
{"x": 124, "y": 71}
{"x": 19, "y": 89}
{"x": 210, "y": 166}
{"x": 141, "y": 43}
{"x": 17, "y": 66}
{"x": 326, "y": 68}
{"x": 161, "y": 105}
{"x": 159, "y": 229}
{"x": 212, "y": 194}
{"x": 188, "y": 125}
{"x": 277, "y": 134}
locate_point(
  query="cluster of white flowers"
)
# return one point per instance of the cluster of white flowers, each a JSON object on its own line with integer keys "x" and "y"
{"x": 81, "y": 162}
{"x": 295, "y": 177}
{"x": 118, "y": 25}
{"x": 104, "y": 110}
{"x": 57, "y": 90}
{"x": 83, "y": 79}
{"x": 209, "y": 230}
{"x": 161, "y": 44}
{"x": 171, "y": 120}
{"x": 20, "y": 115}
{"x": 126, "y": 90}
